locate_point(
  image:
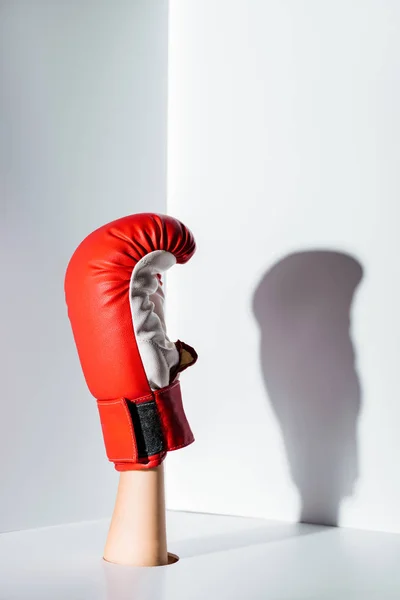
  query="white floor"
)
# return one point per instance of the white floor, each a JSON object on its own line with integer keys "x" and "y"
{"x": 220, "y": 558}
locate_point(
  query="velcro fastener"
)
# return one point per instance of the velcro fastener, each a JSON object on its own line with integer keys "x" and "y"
{"x": 140, "y": 433}
{"x": 147, "y": 428}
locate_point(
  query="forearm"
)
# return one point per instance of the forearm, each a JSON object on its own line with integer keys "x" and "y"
{"x": 137, "y": 534}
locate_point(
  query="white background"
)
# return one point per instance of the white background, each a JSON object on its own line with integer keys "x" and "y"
{"x": 82, "y": 141}
{"x": 283, "y": 153}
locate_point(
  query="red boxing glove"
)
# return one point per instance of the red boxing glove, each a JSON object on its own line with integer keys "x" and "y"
{"x": 115, "y": 305}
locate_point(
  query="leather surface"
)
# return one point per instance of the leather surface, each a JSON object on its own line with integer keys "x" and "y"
{"x": 118, "y": 431}
{"x": 176, "y": 429}
{"x": 97, "y": 294}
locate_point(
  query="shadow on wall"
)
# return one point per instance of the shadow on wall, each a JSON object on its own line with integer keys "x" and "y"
{"x": 303, "y": 305}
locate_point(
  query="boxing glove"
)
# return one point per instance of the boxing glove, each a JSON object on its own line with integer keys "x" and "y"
{"x": 114, "y": 295}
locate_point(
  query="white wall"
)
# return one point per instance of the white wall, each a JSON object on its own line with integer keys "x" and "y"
{"x": 284, "y": 146}
{"x": 82, "y": 141}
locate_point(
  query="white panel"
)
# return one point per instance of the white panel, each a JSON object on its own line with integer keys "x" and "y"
{"x": 284, "y": 146}
{"x": 82, "y": 142}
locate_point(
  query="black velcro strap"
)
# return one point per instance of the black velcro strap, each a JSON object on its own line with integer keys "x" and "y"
{"x": 147, "y": 427}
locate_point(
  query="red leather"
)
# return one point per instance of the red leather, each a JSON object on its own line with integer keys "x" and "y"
{"x": 119, "y": 436}
{"x": 173, "y": 419}
{"x": 118, "y": 433}
{"x": 97, "y": 294}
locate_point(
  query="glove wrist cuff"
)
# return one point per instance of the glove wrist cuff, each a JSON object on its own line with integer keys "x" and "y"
{"x": 138, "y": 434}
